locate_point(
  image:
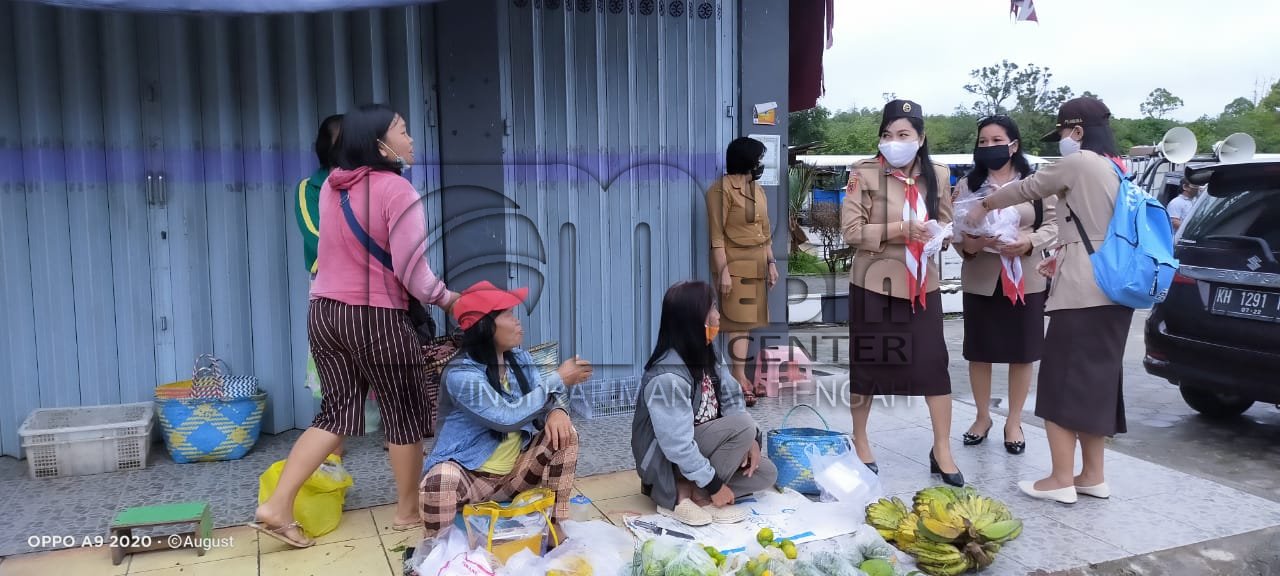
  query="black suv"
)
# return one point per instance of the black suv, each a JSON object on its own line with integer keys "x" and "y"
{"x": 1217, "y": 334}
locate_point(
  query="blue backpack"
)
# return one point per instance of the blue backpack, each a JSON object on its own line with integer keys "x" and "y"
{"x": 1135, "y": 264}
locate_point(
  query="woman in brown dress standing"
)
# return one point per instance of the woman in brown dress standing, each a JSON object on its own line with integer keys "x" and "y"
{"x": 1080, "y": 390}
{"x": 895, "y": 309}
{"x": 742, "y": 251}
{"x": 1003, "y": 294}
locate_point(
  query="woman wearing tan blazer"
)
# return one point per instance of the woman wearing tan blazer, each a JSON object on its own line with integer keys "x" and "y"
{"x": 895, "y": 309}
{"x": 1079, "y": 393}
{"x": 1003, "y": 294}
{"x": 742, "y": 251}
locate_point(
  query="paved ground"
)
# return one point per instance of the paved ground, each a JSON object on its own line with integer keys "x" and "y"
{"x": 1243, "y": 453}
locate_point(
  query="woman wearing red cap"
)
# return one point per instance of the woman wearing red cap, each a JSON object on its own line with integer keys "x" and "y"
{"x": 1079, "y": 393}
{"x": 696, "y": 447}
{"x": 505, "y": 429}
{"x": 371, "y": 260}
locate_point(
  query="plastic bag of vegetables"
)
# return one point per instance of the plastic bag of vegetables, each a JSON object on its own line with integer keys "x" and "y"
{"x": 692, "y": 560}
{"x": 655, "y": 554}
{"x": 826, "y": 563}
{"x": 771, "y": 560}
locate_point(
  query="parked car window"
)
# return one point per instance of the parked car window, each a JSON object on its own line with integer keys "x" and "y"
{"x": 1253, "y": 213}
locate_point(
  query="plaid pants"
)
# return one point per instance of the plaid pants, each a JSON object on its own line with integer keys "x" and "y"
{"x": 447, "y": 487}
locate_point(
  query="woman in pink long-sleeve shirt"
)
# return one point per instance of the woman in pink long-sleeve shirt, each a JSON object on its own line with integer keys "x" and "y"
{"x": 372, "y": 260}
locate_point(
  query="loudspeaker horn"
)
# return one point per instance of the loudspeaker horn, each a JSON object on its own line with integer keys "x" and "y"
{"x": 1238, "y": 147}
{"x": 1178, "y": 145}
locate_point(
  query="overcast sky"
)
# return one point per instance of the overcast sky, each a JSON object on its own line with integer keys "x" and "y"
{"x": 1208, "y": 52}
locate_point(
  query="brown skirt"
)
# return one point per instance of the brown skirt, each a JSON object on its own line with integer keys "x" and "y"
{"x": 1081, "y": 385}
{"x": 997, "y": 331}
{"x": 746, "y": 306}
{"x": 893, "y": 350}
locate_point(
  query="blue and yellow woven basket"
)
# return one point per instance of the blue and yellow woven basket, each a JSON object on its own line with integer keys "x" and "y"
{"x": 789, "y": 450}
{"x": 208, "y": 429}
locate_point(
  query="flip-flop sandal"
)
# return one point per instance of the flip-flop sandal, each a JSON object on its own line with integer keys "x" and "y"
{"x": 406, "y": 527}
{"x": 279, "y": 533}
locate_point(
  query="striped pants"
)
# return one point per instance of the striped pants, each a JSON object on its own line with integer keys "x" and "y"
{"x": 361, "y": 347}
{"x": 447, "y": 487}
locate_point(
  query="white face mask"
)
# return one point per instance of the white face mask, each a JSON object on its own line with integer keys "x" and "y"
{"x": 898, "y": 153}
{"x": 1068, "y": 146}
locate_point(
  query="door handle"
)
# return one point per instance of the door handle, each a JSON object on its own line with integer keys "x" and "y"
{"x": 150, "y": 190}
{"x": 163, "y": 191}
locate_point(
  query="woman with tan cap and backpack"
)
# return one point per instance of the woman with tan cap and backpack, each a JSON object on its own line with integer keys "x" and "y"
{"x": 1080, "y": 393}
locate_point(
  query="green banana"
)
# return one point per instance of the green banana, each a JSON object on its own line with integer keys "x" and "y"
{"x": 1001, "y": 531}
{"x": 937, "y": 531}
{"x": 946, "y": 569}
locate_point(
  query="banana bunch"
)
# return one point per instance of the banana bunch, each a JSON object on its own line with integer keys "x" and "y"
{"x": 948, "y": 530}
{"x": 886, "y": 515}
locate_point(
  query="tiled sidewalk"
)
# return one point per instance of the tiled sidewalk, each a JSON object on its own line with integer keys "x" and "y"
{"x": 1153, "y": 507}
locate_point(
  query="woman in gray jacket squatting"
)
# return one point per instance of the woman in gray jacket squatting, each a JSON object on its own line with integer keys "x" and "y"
{"x": 695, "y": 446}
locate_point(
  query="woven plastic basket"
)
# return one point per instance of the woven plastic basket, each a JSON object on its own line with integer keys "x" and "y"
{"x": 788, "y": 451}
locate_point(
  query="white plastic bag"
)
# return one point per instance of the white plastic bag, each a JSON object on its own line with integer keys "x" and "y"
{"x": 1002, "y": 223}
{"x": 449, "y": 555}
{"x": 845, "y": 478}
{"x": 937, "y": 235}
{"x": 591, "y": 548}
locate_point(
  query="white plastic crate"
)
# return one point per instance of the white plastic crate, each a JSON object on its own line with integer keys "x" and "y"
{"x": 609, "y": 397}
{"x": 87, "y": 439}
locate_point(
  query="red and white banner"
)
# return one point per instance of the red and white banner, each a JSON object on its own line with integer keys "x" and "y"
{"x": 1023, "y": 10}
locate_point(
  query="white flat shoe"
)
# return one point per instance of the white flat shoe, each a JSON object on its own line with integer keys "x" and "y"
{"x": 1099, "y": 490}
{"x": 688, "y": 513}
{"x": 1064, "y": 495}
{"x": 731, "y": 514}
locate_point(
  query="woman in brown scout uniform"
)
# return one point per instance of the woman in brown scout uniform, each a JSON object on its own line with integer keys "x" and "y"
{"x": 742, "y": 251}
{"x": 895, "y": 309}
{"x": 1003, "y": 294}
{"x": 1080, "y": 393}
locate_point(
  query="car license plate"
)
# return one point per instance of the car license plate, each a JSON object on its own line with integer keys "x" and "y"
{"x": 1246, "y": 303}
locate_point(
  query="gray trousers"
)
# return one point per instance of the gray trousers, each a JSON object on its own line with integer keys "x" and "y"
{"x": 725, "y": 442}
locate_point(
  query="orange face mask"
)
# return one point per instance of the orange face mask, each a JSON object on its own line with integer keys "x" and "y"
{"x": 712, "y": 331}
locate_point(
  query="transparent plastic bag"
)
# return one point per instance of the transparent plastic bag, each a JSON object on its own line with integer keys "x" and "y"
{"x": 693, "y": 560}
{"x": 937, "y": 235}
{"x": 845, "y": 479}
{"x": 449, "y": 555}
{"x": 655, "y": 554}
{"x": 593, "y": 548}
{"x": 1002, "y": 223}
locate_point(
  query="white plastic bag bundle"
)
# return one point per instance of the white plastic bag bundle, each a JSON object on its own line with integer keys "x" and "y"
{"x": 1002, "y": 223}
{"x": 845, "y": 478}
{"x": 937, "y": 235}
{"x": 449, "y": 555}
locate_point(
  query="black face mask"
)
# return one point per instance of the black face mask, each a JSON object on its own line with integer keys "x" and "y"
{"x": 757, "y": 172}
{"x": 992, "y": 157}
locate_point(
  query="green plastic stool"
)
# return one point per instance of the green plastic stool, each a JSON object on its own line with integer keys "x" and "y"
{"x": 122, "y": 527}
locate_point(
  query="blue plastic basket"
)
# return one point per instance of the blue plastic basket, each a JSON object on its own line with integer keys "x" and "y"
{"x": 788, "y": 449}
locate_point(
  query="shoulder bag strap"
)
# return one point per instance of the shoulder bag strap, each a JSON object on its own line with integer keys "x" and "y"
{"x": 1039, "y": 206}
{"x": 374, "y": 249}
{"x": 1088, "y": 244}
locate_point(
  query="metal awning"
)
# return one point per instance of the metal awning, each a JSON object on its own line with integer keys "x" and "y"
{"x": 231, "y": 6}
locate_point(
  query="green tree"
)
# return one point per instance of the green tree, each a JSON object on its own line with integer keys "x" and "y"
{"x": 809, "y": 125}
{"x": 1025, "y": 93}
{"x": 1238, "y": 107}
{"x": 1160, "y": 102}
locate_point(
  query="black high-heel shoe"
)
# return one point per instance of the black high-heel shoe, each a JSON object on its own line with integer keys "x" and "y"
{"x": 1015, "y": 448}
{"x": 872, "y": 467}
{"x": 955, "y": 479}
{"x": 974, "y": 439}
